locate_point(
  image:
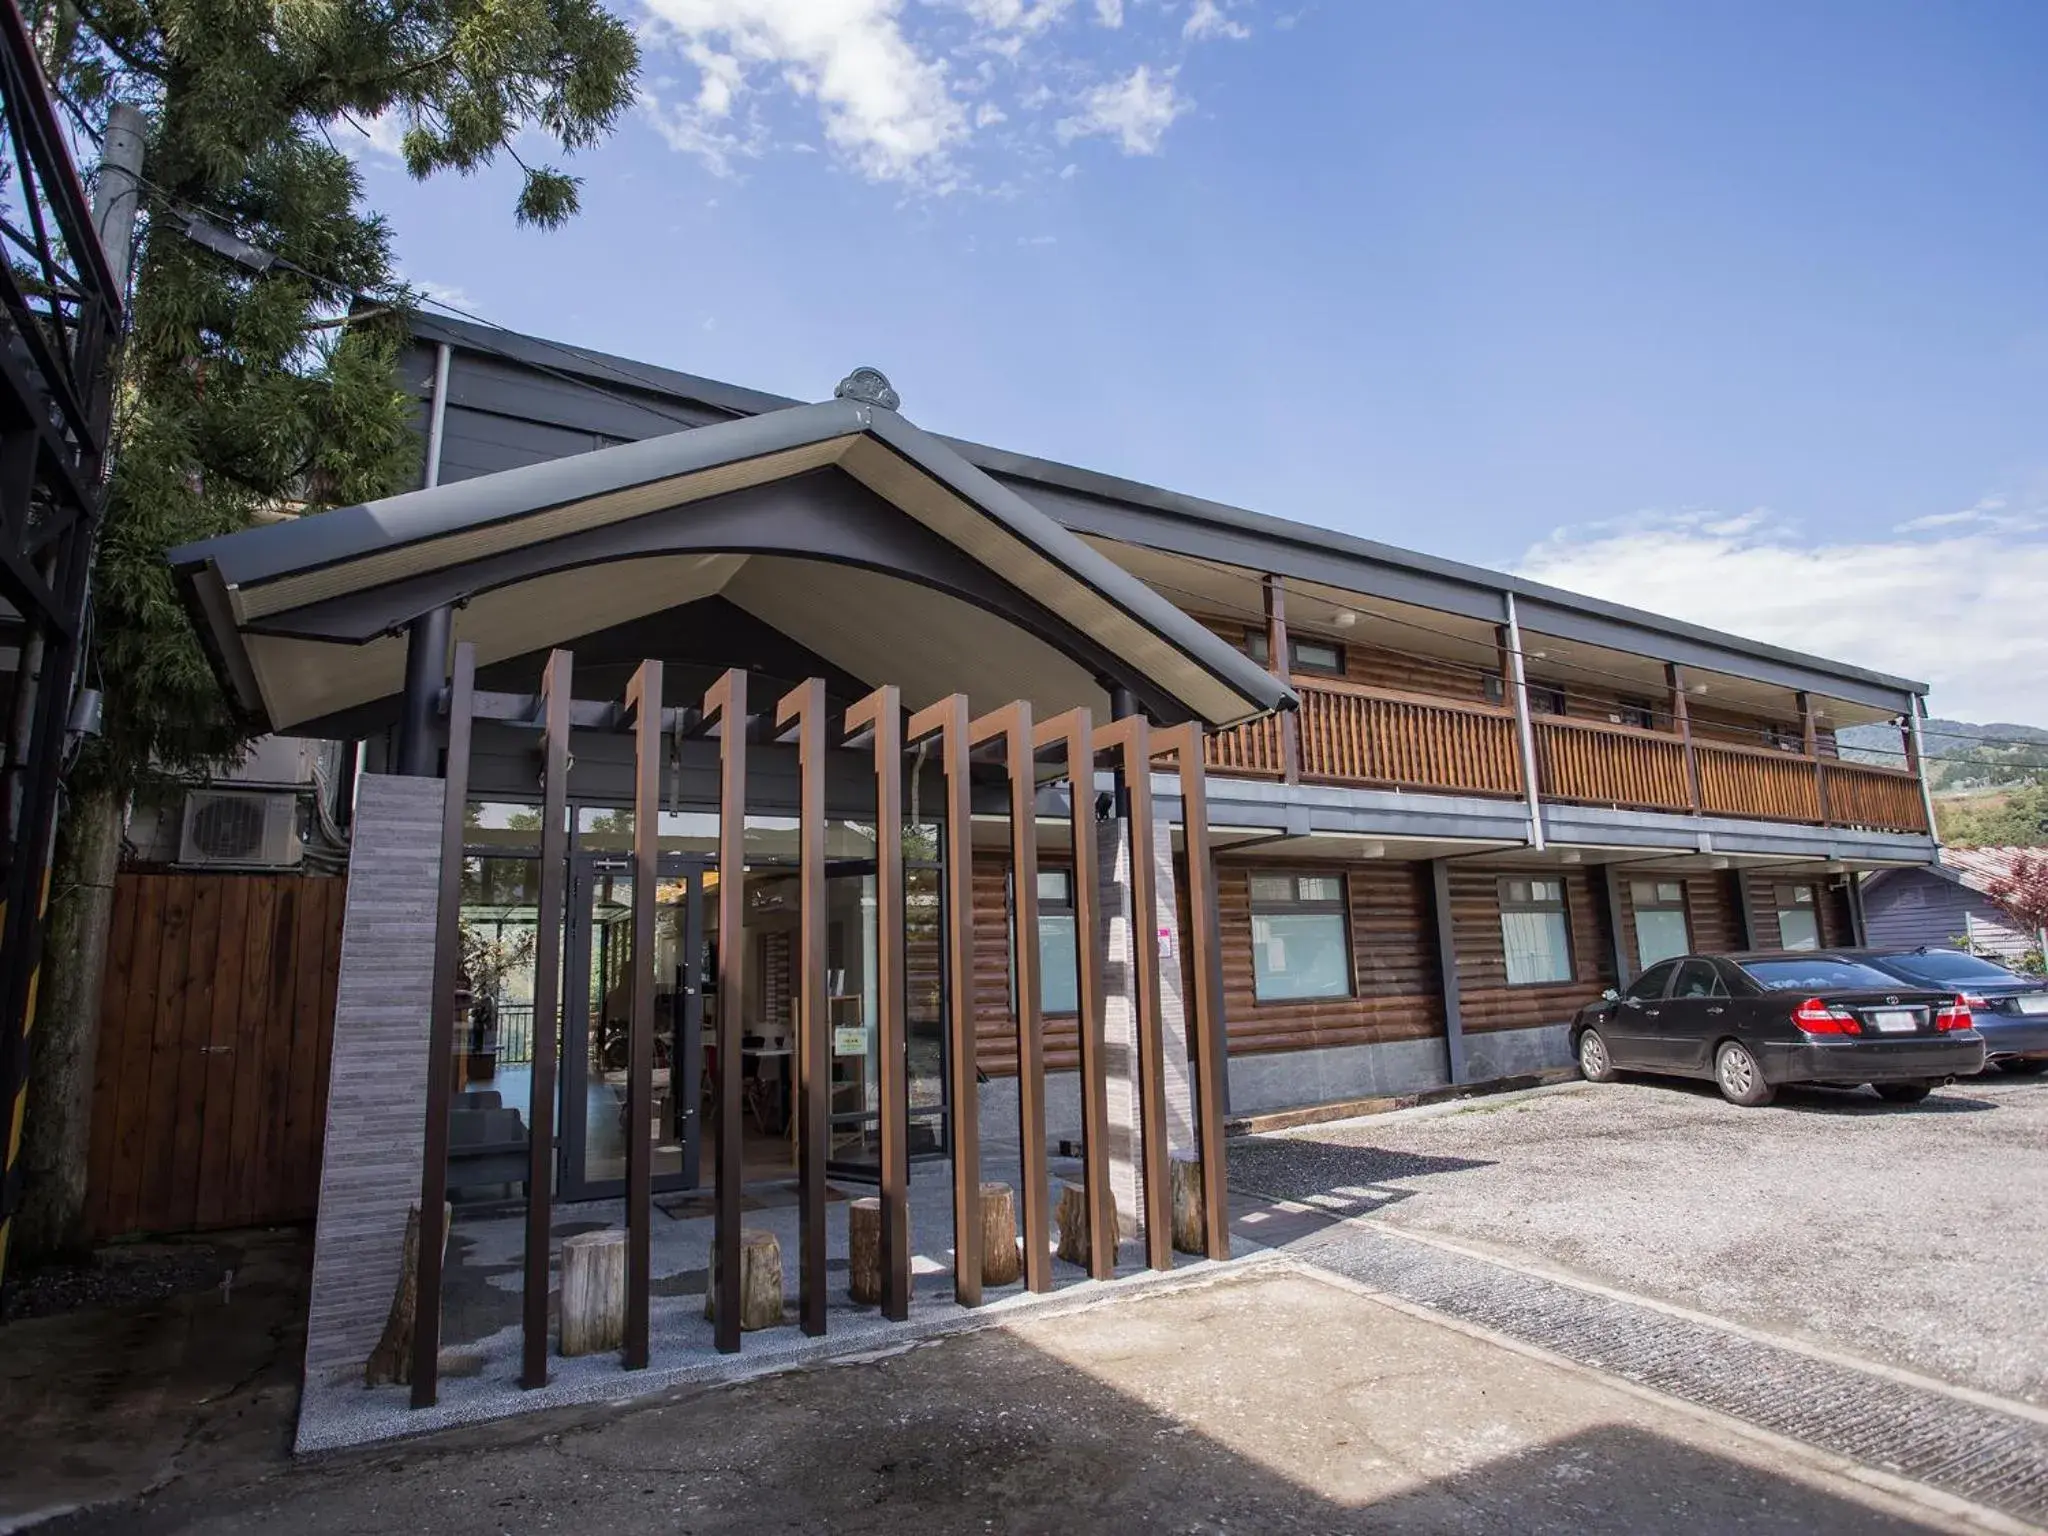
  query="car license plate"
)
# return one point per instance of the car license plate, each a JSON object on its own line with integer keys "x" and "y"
{"x": 2033, "y": 1002}
{"x": 1895, "y": 1021}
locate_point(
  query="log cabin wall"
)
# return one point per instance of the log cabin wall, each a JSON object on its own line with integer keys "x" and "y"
{"x": 1487, "y": 1001}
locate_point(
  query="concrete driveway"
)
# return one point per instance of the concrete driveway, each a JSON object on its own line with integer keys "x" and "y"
{"x": 1911, "y": 1236}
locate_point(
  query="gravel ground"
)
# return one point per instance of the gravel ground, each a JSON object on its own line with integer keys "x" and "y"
{"x": 113, "y": 1277}
{"x": 1916, "y": 1236}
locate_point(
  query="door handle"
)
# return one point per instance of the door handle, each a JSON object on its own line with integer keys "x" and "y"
{"x": 1717, "y": 1010}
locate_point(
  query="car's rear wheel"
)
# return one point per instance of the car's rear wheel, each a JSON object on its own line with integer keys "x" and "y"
{"x": 1903, "y": 1093}
{"x": 1595, "y": 1065}
{"x": 1741, "y": 1080}
{"x": 2024, "y": 1066}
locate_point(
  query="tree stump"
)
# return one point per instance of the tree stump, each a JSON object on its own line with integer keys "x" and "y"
{"x": 1190, "y": 1222}
{"x": 391, "y": 1360}
{"x": 864, "y": 1251}
{"x": 1072, "y": 1217}
{"x": 593, "y": 1292}
{"x": 1002, "y": 1256}
{"x": 760, "y": 1281}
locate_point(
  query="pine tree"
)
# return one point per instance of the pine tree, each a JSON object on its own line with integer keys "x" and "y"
{"x": 260, "y": 387}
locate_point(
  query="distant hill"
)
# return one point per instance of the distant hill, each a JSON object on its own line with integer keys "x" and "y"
{"x": 1960, "y": 755}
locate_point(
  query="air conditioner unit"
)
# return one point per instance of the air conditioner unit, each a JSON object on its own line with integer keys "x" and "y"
{"x": 229, "y": 829}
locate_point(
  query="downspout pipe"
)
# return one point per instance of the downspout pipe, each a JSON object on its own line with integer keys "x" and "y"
{"x": 1523, "y": 728}
{"x": 1913, "y": 719}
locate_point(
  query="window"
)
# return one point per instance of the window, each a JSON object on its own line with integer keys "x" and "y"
{"x": 1303, "y": 654}
{"x": 1817, "y": 975}
{"x": 1699, "y": 978}
{"x": 1639, "y": 713}
{"x": 1534, "y": 932}
{"x": 1798, "y": 918}
{"x": 1059, "y": 956}
{"x": 1650, "y": 986}
{"x": 1945, "y": 968}
{"x": 1545, "y": 700}
{"x": 1301, "y": 942}
{"x": 1496, "y": 690}
{"x": 1661, "y": 930}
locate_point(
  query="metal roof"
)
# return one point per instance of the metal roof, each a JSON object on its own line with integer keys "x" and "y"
{"x": 1320, "y": 554}
{"x": 246, "y": 583}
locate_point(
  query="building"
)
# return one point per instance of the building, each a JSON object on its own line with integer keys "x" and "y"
{"x": 1446, "y": 807}
{"x": 1950, "y": 903}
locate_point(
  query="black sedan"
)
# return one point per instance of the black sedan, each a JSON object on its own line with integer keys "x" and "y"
{"x": 1754, "y": 1022}
{"x": 2010, "y": 1010}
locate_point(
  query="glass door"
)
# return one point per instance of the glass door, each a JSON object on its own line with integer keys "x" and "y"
{"x": 596, "y": 1010}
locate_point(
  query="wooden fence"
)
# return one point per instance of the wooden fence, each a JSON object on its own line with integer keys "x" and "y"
{"x": 216, "y": 1021}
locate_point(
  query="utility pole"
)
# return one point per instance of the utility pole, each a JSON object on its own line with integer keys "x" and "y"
{"x": 64, "y": 1032}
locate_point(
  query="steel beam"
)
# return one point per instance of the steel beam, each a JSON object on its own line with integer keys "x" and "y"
{"x": 804, "y": 707}
{"x": 556, "y": 682}
{"x": 727, "y": 703}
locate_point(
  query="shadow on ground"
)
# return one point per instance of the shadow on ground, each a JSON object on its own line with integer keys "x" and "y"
{"x": 1266, "y": 1402}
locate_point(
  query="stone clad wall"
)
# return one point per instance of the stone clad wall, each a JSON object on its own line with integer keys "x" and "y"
{"x": 377, "y": 1085}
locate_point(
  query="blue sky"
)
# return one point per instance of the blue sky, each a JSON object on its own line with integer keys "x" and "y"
{"x": 1737, "y": 311}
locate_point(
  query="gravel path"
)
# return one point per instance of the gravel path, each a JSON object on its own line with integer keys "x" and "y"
{"x": 1915, "y": 1236}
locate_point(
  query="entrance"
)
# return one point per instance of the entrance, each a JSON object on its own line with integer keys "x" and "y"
{"x": 596, "y": 1011}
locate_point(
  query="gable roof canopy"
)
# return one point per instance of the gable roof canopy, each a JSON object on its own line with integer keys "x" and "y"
{"x": 867, "y": 540}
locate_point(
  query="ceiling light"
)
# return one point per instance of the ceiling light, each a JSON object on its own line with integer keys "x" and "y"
{"x": 1573, "y": 857}
{"x": 1346, "y": 618}
{"x": 1717, "y": 864}
{"x": 1372, "y": 850}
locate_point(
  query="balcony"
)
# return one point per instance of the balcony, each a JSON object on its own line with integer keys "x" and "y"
{"x": 1380, "y": 739}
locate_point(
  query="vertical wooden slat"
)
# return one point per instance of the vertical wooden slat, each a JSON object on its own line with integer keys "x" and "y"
{"x": 882, "y": 712}
{"x": 169, "y": 1061}
{"x": 1131, "y": 738}
{"x": 125, "y": 1196}
{"x": 948, "y": 719}
{"x": 805, "y": 706}
{"x": 310, "y": 1016}
{"x": 1012, "y": 724}
{"x": 727, "y": 702}
{"x": 245, "y": 1113}
{"x": 272, "y": 1186}
{"x": 1074, "y": 733}
{"x": 643, "y": 700}
{"x": 426, "y": 1336}
{"x": 206, "y": 1065}
{"x": 557, "y": 690}
{"x": 110, "y": 1058}
{"x": 1207, "y": 1040}
{"x": 330, "y": 983}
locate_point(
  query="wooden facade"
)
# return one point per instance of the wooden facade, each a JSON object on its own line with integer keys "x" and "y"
{"x": 216, "y": 1022}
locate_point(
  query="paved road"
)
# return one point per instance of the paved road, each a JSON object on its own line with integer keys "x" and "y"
{"x": 1911, "y": 1236}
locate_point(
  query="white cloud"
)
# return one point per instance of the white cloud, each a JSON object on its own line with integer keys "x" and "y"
{"x": 1960, "y": 607}
{"x": 380, "y": 137}
{"x": 988, "y": 114}
{"x": 1110, "y": 12}
{"x": 884, "y": 105}
{"x": 1136, "y": 111}
{"x": 1208, "y": 20}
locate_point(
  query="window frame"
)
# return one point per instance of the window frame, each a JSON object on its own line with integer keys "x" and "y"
{"x": 1636, "y": 712}
{"x": 1720, "y": 982}
{"x": 1062, "y": 908}
{"x": 1338, "y": 907}
{"x": 1811, "y": 907}
{"x": 1637, "y": 907}
{"x": 1562, "y": 907}
{"x": 1257, "y": 648}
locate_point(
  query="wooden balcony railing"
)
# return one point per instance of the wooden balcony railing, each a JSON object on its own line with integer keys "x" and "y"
{"x": 1609, "y": 765}
{"x": 1356, "y": 735}
{"x": 1370, "y": 736}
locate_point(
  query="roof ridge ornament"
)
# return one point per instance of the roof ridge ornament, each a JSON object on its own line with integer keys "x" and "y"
{"x": 870, "y": 386}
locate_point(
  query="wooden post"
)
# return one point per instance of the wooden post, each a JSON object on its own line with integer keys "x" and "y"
{"x": 1074, "y": 733}
{"x": 805, "y": 706}
{"x": 1277, "y": 662}
{"x": 1681, "y": 721}
{"x": 1077, "y": 1224}
{"x": 593, "y": 1292}
{"x": 1189, "y": 1217}
{"x": 1208, "y": 1038}
{"x": 759, "y": 1287}
{"x": 556, "y": 688}
{"x": 391, "y": 1360}
{"x": 948, "y": 719}
{"x": 1616, "y": 943}
{"x": 433, "y": 1236}
{"x": 643, "y": 702}
{"x": 1000, "y": 1260}
{"x": 1013, "y": 724}
{"x": 727, "y": 704}
{"x": 1131, "y": 739}
{"x": 882, "y": 712}
{"x": 864, "y": 1251}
